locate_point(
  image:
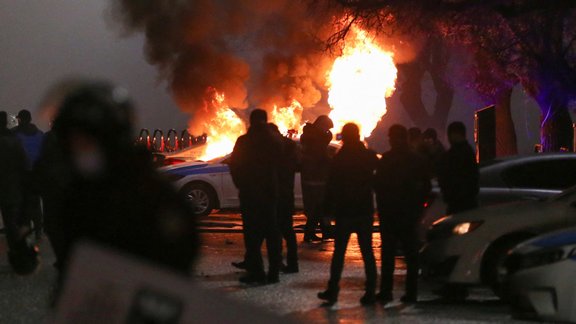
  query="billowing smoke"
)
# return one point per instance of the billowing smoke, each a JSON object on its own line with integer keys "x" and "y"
{"x": 259, "y": 53}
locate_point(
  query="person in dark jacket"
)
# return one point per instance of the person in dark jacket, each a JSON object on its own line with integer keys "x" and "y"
{"x": 12, "y": 174}
{"x": 315, "y": 165}
{"x": 432, "y": 148}
{"x": 286, "y": 173}
{"x": 31, "y": 138}
{"x": 350, "y": 197}
{"x": 402, "y": 185}
{"x": 115, "y": 196}
{"x": 458, "y": 175}
{"x": 254, "y": 169}
{"x": 52, "y": 177}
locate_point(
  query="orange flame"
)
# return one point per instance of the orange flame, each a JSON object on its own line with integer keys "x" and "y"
{"x": 359, "y": 82}
{"x": 222, "y": 130}
{"x": 287, "y": 118}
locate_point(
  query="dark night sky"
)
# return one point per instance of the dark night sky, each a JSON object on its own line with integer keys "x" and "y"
{"x": 43, "y": 41}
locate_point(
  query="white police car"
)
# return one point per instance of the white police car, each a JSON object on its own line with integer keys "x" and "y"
{"x": 541, "y": 277}
{"x": 208, "y": 185}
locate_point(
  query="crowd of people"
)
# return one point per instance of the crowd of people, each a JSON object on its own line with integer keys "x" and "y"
{"x": 341, "y": 187}
{"x": 86, "y": 180}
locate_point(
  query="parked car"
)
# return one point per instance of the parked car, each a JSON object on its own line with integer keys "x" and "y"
{"x": 540, "y": 278}
{"x": 208, "y": 185}
{"x": 470, "y": 248}
{"x": 525, "y": 177}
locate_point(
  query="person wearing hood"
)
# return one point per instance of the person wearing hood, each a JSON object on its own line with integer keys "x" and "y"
{"x": 31, "y": 138}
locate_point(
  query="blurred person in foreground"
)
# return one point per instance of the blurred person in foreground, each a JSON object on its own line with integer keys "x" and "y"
{"x": 402, "y": 184}
{"x": 21, "y": 256}
{"x": 254, "y": 166}
{"x": 350, "y": 198}
{"x": 31, "y": 138}
{"x": 114, "y": 196}
{"x": 315, "y": 165}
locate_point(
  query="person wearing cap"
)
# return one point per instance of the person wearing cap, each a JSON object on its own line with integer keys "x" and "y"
{"x": 402, "y": 185}
{"x": 31, "y": 138}
{"x": 314, "y": 171}
{"x": 350, "y": 197}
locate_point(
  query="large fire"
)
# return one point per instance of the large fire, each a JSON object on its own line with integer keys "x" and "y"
{"x": 359, "y": 82}
{"x": 288, "y": 118}
{"x": 222, "y": 130}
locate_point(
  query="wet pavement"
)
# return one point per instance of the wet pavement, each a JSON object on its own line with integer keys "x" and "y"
{"x": 26, "y": 299}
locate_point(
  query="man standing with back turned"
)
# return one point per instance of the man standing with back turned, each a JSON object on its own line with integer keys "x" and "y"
{"x": 349, "y": 195}
{"x": 254, "y": 169}
{"x": 402, "y": 185}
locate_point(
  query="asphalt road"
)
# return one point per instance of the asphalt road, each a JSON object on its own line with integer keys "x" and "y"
{"x": 27, "y": 299}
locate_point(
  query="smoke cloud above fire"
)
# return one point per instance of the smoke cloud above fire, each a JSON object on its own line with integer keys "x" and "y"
{"x": 258, "y": 53}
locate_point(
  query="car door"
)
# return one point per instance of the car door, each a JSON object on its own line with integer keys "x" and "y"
{"x": 229, "y": 192}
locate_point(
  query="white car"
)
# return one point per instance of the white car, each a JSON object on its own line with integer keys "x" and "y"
{"x": 209, "y": 184}
{"x": 540, "y": 278}
{"x": 469, "y": 248}
{"x": 525, "y": 177}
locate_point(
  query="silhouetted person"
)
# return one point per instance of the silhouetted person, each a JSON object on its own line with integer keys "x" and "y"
{"x": 402, "y": 184}
{"x": 254, "y": 168}
{"x": 315, "y": 165}
{"x": 350, "y": 198}
{"x": 286, "y": 173}
{"x": 458, "y": 172}
{"x": 115, "y": 196}
{"x": 12, "y": 174}
{"x": 415, "y": 140}
{"x": 432, "y": 147}
{"x": 52, "y": 178}
{"x": 31, "y": 138}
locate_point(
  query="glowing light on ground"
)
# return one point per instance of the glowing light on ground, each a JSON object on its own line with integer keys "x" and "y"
{"x": 360, "y": 81}
{"x": 222, "y": 130}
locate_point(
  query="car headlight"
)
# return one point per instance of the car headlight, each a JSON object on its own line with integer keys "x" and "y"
{"x": 446, "y": 227}
{"x": 465, "y": 228}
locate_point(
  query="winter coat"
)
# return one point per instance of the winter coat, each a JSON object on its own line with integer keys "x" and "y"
{"x": 458, "y": 177}
{"x": 31, "y": 138}
{"x": 12, "y": 168}
{"x": 350, "y": 182}
{"x": 315, "y": 159}
{"x": 254, "y": 164}
{"x": 134, "y": 210}
{"x": 402, "y": 182}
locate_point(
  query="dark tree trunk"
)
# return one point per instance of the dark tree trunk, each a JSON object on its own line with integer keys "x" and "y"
{"x": 433, "y": 59}
{"x": 505, "y": 133}
{"x": 411, "y": 92}
{"x": 556, "y": 131}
